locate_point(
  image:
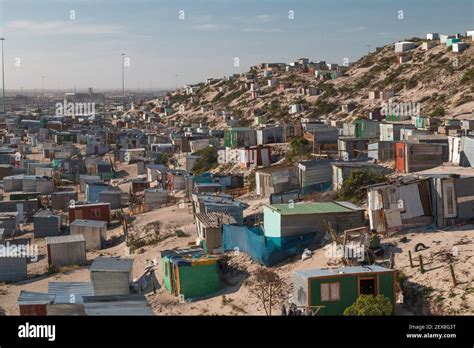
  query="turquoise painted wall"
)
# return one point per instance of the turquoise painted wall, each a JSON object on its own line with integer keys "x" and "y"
{"x": 271, "y": 222}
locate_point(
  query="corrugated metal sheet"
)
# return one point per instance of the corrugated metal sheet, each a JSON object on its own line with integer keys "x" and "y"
{"x": 65, "y": 309}
{"x": 94, "y": 232}
{"x": 315, "y": 273}
{"x": 46, "y": 224}
{"x": 155, "y": 198}
{"x": 300, "y": 290}
{"x": 129, "y": 305}
{"x": 66, "y": 250}
{"x": 30, "y": 297}
{"x": 70, "y": 292}
{"x": 12, "y": 269}
{"x": 114, "y": 197}
{"x": 314, "y": 172}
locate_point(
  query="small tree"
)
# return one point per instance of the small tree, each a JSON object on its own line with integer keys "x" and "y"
{"x": 206, "y": 161}
{"x": 352, "y": 186}
{"x": 299, "y": 148}
{"x": 268, "y": 287}
{"x": 369, "y": 305}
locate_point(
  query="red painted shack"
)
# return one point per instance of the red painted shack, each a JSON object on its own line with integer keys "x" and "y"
{"x": 34, "y": 303}
{"x": 96, "y": 211}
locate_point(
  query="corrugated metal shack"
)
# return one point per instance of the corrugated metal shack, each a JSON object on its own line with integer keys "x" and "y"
{"x": 452, "y": 197}
{"x": 94, "y": 232}
{"x": 97, "y": 211}
{"x": 12, "y": 268}
{"x": 25, "y": 208}
{"x": 269, "y": 135}
{"x": 9, "y": 222}
{"x": 336, "y": 289}
{"x": 155, "y": 198}
{"x": 208, "y": 228}
{"x": 402, "y": 205}
{"x": 111, "y": 276}
{"x": 352, "y": 148}
{"x": 315, "y": 175}
{"x": 61, "y": 200}
{"x": 13, "y": 183}
{"x": 189, "y": 273}
{"x": 113, "y": 197}
{"x": 433, "y": 139}
{"x": 93, "y": 190}
{"x": 128, "y": 305}
{"x": 367, "y": 128}
{"x": 46, "y": 224}
{"x": 391, "y": 131}
{"x": 34, "y": 303}
{"x": 285, "y": 220}
{"x": 276, "y": 179}
{"x": 66, "y": 250}
{"x": 414, "y": 157}
{"x": 382, "y": 151}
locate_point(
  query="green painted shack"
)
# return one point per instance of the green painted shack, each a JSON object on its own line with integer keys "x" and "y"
{"x": 337, "y": 289}
{"x": 366, "y": 128}
{"x": 450, "y": 41}
{"x": 189, "y": 273}
{"x": 236, "y": 137}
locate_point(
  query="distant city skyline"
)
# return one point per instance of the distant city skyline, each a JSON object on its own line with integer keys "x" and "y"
{"x": 196, "y": 39}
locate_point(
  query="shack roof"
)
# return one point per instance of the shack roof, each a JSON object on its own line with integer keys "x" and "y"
{"x": 276, "y": 168}
{"x": 64, "y": 290}
{"x": 30, "y": 297}
{"x": 312, "y": 208}
{"x": 318, "y": 272}
{"x": 88, "y": 223}
{"x": 111, "y": 264}
{"x": 117, "y": 305}
{"x": 214, "y": 219}
{"x": 65, "y": 239}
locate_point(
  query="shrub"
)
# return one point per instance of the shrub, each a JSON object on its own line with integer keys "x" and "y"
{"x": 369, "y": 305}
{"x": 299, "y": 148}
{"x": 352, "y": 187}
{"x": 438, "y": 112}
{"x": 468, "y": 76}
{"x": 206, "y": 161}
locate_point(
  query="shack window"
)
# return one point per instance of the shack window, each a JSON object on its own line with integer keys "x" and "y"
{"x": 330, "y": 291}
{"x": 95, "y": 212}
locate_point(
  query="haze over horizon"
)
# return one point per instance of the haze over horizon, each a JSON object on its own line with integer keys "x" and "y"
{"x": 42, "y": 38}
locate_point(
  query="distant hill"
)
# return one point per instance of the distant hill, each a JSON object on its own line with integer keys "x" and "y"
{"x": 440, "y": 80}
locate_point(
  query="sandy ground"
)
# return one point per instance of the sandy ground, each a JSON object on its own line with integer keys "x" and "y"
{"x": 435, "y": 285}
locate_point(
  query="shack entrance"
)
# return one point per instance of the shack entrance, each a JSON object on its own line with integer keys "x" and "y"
{"x": 367, "y": 286}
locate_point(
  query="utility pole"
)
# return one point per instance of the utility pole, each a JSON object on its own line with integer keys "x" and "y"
{"x": 3, "y": 76}
{"x": 123, "y": 80}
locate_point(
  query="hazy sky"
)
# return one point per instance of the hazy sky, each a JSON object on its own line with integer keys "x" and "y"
{"x": 86, "y": 51}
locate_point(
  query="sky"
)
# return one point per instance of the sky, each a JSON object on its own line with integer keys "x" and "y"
{"x": 177, "y": 42}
